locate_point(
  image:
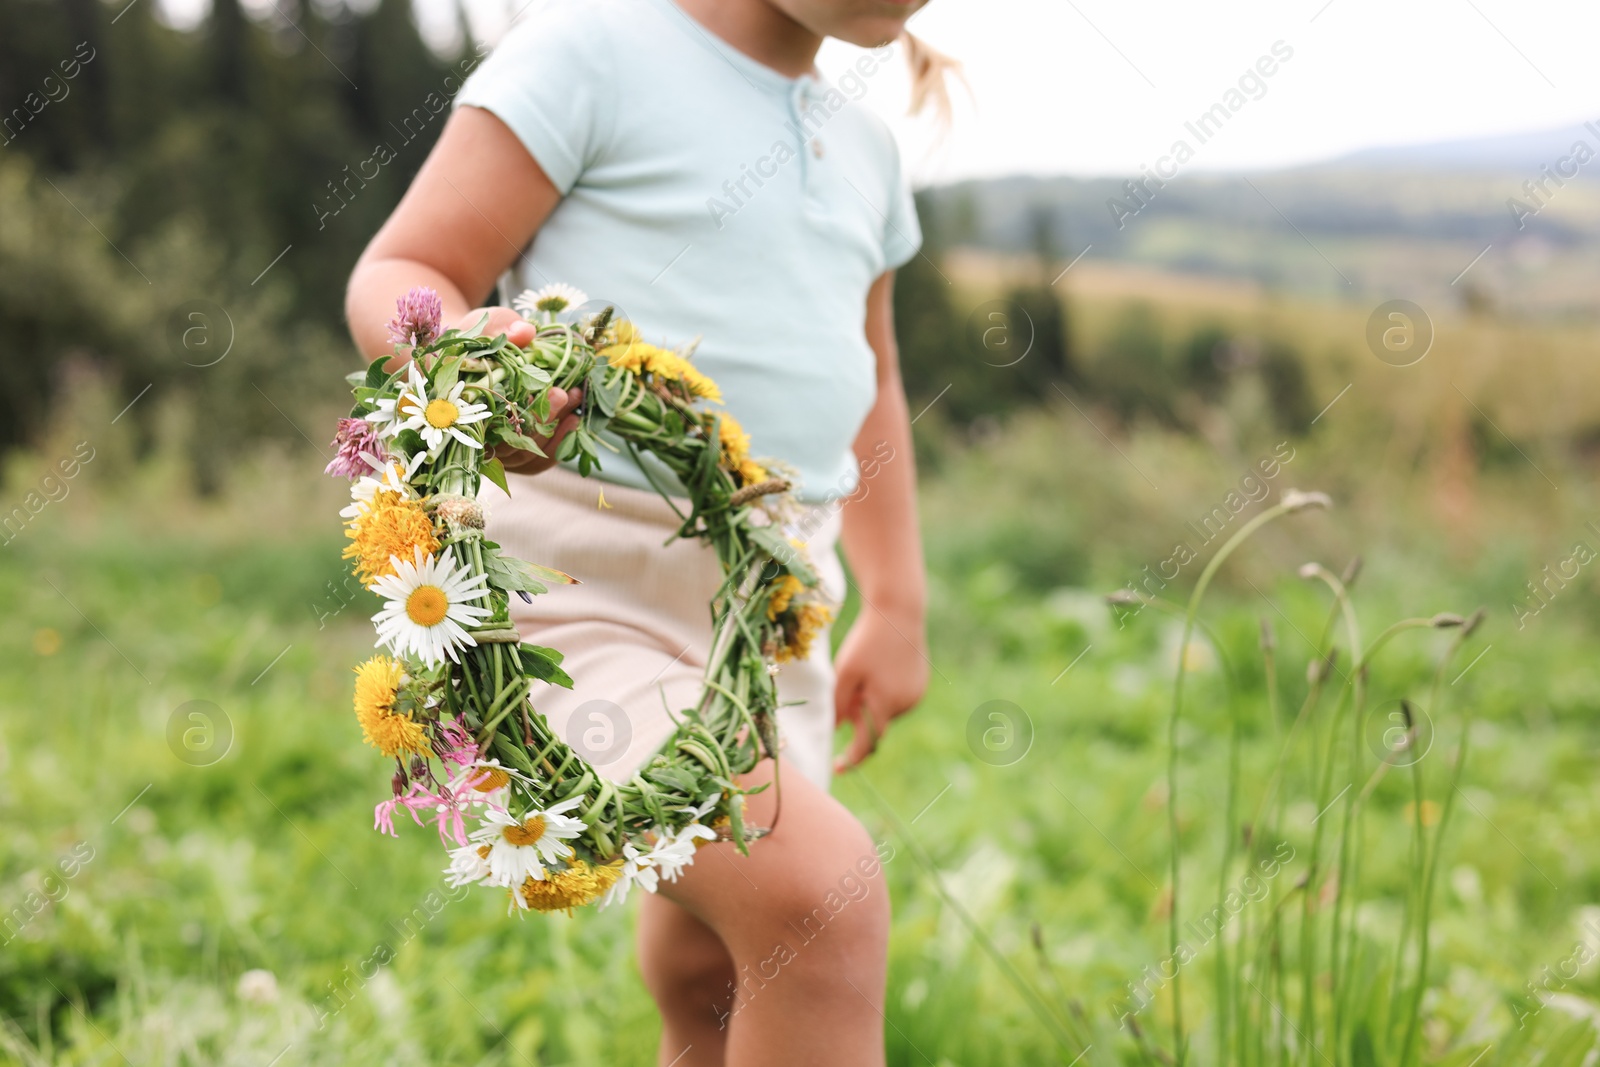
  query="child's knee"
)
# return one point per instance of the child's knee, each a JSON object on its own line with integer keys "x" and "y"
{"x": 684, "y": 974}
{"x": 836, "y": 904}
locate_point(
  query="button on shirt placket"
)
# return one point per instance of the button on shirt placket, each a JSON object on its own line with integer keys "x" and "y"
{"x": 800, "y": 100}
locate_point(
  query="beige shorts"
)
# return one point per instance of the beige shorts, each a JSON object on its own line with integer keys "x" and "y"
{"x": 637, "y": 631}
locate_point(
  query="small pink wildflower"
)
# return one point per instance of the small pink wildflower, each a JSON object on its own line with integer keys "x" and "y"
{"x": 358, "y": 451}
{"x": 416, "y": 317}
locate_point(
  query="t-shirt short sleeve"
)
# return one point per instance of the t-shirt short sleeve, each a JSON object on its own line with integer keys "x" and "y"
{"x": 902, "y": 234}
{"x": 544, "y": 82}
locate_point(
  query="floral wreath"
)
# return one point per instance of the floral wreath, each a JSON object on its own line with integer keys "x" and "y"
{"x": 449, "y": 701}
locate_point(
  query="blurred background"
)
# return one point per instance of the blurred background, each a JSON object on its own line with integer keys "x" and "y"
{"x": 1372, "y": 270}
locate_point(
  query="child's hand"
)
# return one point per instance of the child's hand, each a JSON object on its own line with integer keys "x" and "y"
{"x": 881, "y": 673}
{"x": 563, "y": 405}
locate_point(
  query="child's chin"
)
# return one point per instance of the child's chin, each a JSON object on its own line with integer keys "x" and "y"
{"x": 869, "y": 31}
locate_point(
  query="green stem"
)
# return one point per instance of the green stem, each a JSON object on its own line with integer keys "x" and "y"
{"x": 1240, "y": 536}
{"x": 1431, "y": 870}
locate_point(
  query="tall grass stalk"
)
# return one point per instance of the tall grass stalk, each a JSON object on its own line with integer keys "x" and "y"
{"x": 1292, "y": 501}
{"x": 1317, "y": 1005}
{"x": 1075, "y": 1043}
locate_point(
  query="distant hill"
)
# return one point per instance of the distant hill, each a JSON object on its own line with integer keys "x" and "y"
{"x": 1377, "y": 224}
{"x": 1518, "y": 153}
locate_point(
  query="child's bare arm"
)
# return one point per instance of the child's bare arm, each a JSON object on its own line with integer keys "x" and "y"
{"x": 883, "y": 664}
{"x": 469, "y": 213}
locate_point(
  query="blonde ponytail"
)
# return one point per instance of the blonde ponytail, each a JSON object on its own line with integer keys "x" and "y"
{"x": 931, "y": 71}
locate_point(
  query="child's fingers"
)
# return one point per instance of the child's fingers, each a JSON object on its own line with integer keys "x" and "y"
{"x": 563, "y": 407}
{"x": 850, "y": 707}
{"x": 863, "y": 741}
{"x": 521, "y": 333}
{"x": 847, "y": 690}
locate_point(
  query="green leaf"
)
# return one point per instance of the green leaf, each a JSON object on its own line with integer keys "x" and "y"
{"x": 544, "y": 664}
{"x": 607, "y": 394}
{"x": 516, "y": 440}
{"x": 492, "y": 469}
{"x": 409, "y": 442}
{"x": 376, "y": 375}
{"x": 534, "y": 379}
{"x": 445, "y": 374}
{"x": 673, "y": 777}
{"x": 510, "y": 573}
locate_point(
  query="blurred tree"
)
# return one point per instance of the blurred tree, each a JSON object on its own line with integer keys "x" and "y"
{"x": 1204, "y": 361}
{"x": 1131, "y": 375}
{"x": 1041, "y": 304}
{"x": 925, "y": 319}
{"x": 149, "y": 169}
{"x": 1288, "y": 387}
{"x": 1001, "y": 355}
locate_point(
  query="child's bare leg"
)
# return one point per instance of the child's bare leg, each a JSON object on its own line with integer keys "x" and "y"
{"x": 807, "y": 934}
{"x": 690, "y": 974}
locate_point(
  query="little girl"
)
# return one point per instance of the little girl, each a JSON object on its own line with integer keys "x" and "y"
{"x": 682, "y": 161}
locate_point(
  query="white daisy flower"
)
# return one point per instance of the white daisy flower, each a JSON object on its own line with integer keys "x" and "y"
{"x": 428, "y": 602}
{"x": 469, "y": 865}
{"x": 700, "y": 811}
{"x": 441, "y": 416}
{"x": 521, "y": 847}
{"x": 665, "y": 861}
{"x": 551, "y": 300}
{"x": 395, "y": 478}
{"x": 673, "y": 852}
{"x": 391, "y": 412}
{"x": 486, "y": 782}
{"x": 636, "y": 868}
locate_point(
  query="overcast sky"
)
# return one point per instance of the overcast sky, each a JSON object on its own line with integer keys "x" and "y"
{"x": 1104, "y": 86}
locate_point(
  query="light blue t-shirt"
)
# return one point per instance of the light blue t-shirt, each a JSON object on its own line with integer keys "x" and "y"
{"x": 707, "y": 194}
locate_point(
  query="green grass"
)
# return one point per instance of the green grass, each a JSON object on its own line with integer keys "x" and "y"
{"x": 266, "y": 859}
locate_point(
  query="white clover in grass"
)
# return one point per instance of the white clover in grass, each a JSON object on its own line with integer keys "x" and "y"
{"x": 428, "y": 604}
{"x": 549, "y": 300}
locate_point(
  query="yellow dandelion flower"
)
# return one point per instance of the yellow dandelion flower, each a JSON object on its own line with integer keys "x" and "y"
{"x": 664, "y": 364}
{"x": 698, "y": 384}
{"x": 628, "y": 350}
{"x": 389, "y": 525}
{"x": 564, "y": 890}
{"x": 808, "y": 623}
{"x": 783, "y": 592}
{"x": 377, "y": 682}
{"x": 633, "y": 357}
{"x": 751, "y": 472}
{"x": 734, "y": 441}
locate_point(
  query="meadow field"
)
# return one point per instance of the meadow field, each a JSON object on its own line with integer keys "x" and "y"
{"x": 208, "y": 890}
